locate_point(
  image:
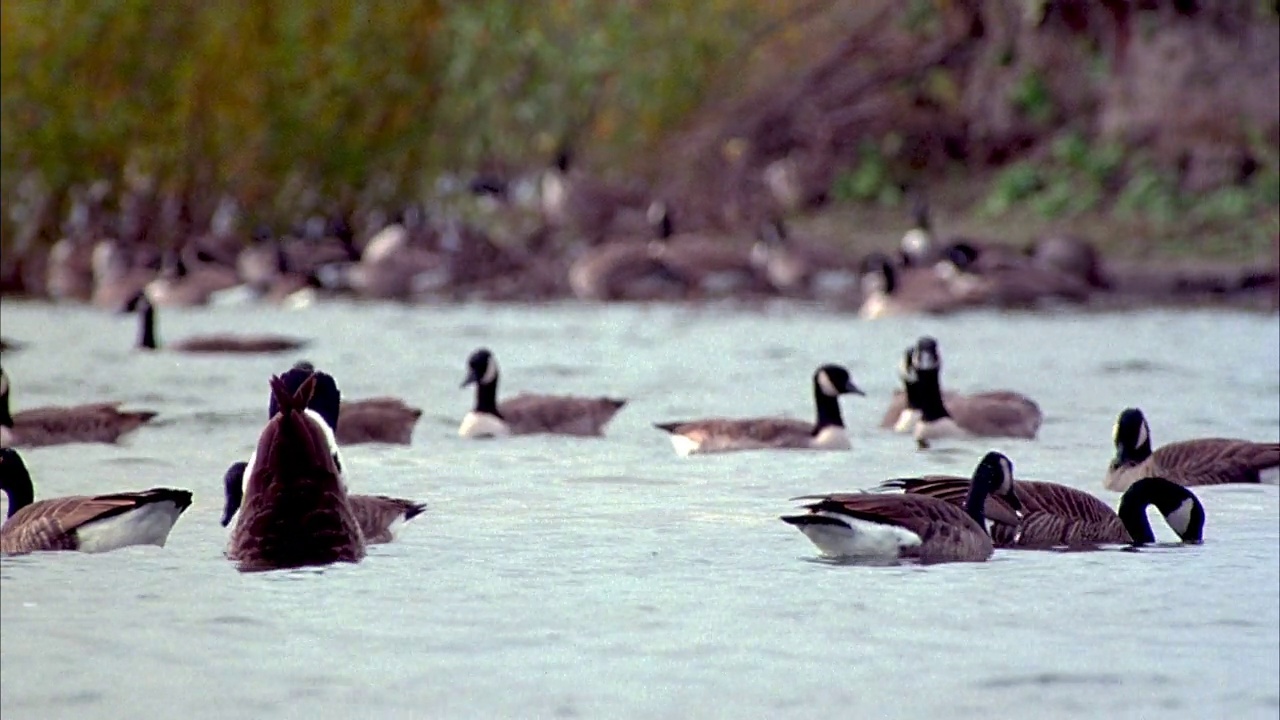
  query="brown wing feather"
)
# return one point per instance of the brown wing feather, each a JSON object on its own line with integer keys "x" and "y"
{"x": 376, "y": 514}
{"x": 1213, "y": 461}
{"x": 768, "y": 431}
{"x": 563, "y": 414}
{"x": 947, "y": 533}
{"x": 897, "y": 404}
{"x": 955, "y": 490}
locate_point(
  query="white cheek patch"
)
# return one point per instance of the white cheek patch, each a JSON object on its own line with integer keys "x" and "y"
{"x": 1144, "y": 435}
{"x": 916, "y": 241}
{"x": 925, "y": 361}
{"x": 826, "y": 386}
{"x": 1006, "y": 473}
{"x": 490, "y": 373}
{"x": 906, "y": 370}
{"x": 1180, "y": 518}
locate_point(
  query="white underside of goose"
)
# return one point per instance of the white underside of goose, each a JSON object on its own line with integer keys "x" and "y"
{"x": 482, "y": 425}
{"x": 907, "y": 420}
{"x": 941, "y": 428}
{"x": 876, "y": 305}
{"x": 146, "y": 525}
{"x": 860, "y": 539}
{"x": 1270, "y": 476}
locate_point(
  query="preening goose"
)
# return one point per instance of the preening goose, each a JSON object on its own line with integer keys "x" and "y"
{"x": 53, "y": 425}
{"x": 223, "y": 343}
{"x": 528, "y": 413}
{"x": 295, "y": 511}
{"x": 882, "y": 528}
{"x": 715, "y": 435}
{"x": 88, "y": 523}
{"x": 1056, "y": 515}
{"x": 1000, "y": 413}
{"x": 1205, "y": 461}
{"x": 379, "y": 516}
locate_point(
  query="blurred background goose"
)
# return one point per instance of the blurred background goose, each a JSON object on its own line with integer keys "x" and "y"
{"x": 186, "y": 279}
{"x": 88, "y": 523}
{"x": 982, "y": 276}
{"x": 58, "y": 425}
{"x": 221, "y": 343}
{"x": 1000, "y": 413}
{"x": 1204, "y": 461}
{"x": 295, "y": 511}
{"x": 890, "y": 290}
{"x": 827, "y": 432}
{"x": 529, "y": 413}
{"x": 1055, "y": 515}
{"x": 882, "y": 528}
{"x": 379, "y": 516}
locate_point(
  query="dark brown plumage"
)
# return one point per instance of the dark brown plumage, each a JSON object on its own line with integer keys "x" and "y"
{"x": 947, "y": 533}
{"x": 380, "y": 420}
{"x": 58, "y": 425}
{"x": 378, "y": 514}
{"x": 529, "y": 413}
{"x": 69, "y": 523}
{"x": 1055, "y": 515}
{"x": 296, "y": 511}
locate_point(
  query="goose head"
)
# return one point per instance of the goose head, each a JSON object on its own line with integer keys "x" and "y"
{"x": 1132, "y": 436}
{"x": 1179, "y": 506}
{"x": 834, "y": 380}
{"x": 877, "y": 274}
{"x": 233, "y": 488}
{"x": 482, "y": 369}
{"x": 994, "y": 477}
{"x": 925, "y": 355}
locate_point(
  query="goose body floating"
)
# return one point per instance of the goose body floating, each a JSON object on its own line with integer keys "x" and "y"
{"x": 717, "y": 435}
{"x": 529, "y": 413}
{"x": 87, "y": 523}
{"x": 882, "y": 528}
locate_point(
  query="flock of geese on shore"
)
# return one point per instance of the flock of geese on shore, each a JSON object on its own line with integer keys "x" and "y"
{"x": 294, "y": 508}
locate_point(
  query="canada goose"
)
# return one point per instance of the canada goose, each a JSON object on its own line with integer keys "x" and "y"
{"x": 716, "y": 267}
{"x": 882, "y": 527}
{"x": 796, "y": 269}
{"x": 379, "y": 419}
{"x": 904, "y": 406}
{"x": 1072, "y": 256}
{"x": 528, "y": 413}
{"x": 1056, "y": 515}
{"x": 890, "y": 291}
{"x": 187, "y": 281}
{"x": 88, "y": 523}
{"x": 117, "y": 277}
{"x": 222, "y": 343}
{"x": 1004, "y": 279}
{"x": 713, "y": 435}
{"x": 627, "y": 270}
{"x": 59, "y": 425}
{"x": 570, "y": 199}
{"x": 379, "y": 516}
{"x": 295, "y": 511}
{"x": 998, "y": 413}
{"x": 1205, "y": 461}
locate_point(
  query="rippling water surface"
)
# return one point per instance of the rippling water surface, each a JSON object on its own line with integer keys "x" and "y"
{"x": 561, "y": 577}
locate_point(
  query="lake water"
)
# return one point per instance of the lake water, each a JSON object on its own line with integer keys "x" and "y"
{"x": 607, "y": 578}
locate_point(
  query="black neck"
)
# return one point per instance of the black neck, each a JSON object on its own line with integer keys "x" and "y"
{"x": 6, "y": 419}
{"x": 487, "y": 398}
{"x": 828, "y": 410}
{"x": 147, "y": 327}
{"x": 665, "y": 229}
{"x": 18, "y": 487}
{"x": 976, "y": 503}
{"x": 1131, "y": 456}
{"x": 1133, "y": 515}
{"x": 927, "y": 397}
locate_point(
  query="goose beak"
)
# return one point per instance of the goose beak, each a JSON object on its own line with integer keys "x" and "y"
{"x": 470, "y": 380}
{"x": 854, "y": 389}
